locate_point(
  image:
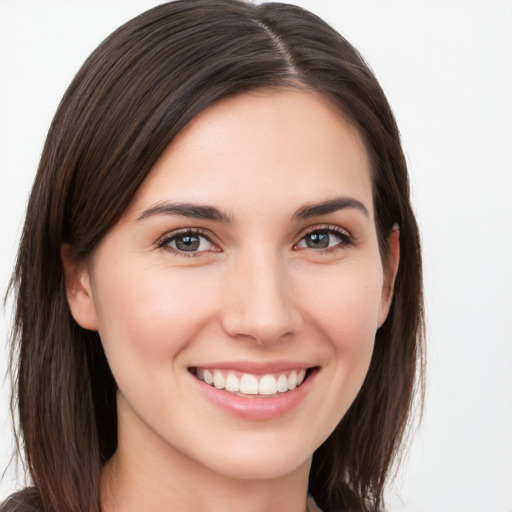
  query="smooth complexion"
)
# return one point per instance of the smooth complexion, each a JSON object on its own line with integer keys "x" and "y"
{"x": 249, "y": 249}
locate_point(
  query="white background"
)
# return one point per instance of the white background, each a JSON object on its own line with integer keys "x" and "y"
{"x": 446, "y": 69}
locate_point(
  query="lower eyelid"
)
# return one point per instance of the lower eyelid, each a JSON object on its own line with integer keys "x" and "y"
{"x": 345, "y": 237}
{"x": 165, "y": 241}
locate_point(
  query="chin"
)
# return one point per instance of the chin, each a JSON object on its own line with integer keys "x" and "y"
{"x": 262, "y": 469}
{"x": 261, "y": 458}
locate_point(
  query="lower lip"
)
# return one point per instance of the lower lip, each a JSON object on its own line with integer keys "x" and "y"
{"x": 256, "y": 407}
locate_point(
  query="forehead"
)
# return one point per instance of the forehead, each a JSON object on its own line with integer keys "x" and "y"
{"x": 260, "y": 149}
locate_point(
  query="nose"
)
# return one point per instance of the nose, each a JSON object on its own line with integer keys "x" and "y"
{"x": 259, "y": 301}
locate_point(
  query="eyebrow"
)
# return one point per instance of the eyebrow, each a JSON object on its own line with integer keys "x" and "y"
{"x": 212, "y": 213}
{"x": 196, "y": 211}
{"x": 325, "y": 207}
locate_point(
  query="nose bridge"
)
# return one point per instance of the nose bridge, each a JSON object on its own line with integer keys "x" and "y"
{"x": 260, "y": 304}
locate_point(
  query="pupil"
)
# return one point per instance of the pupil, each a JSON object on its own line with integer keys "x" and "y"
{"x": 187, "y": 243}
{"x": 318, "y": 241}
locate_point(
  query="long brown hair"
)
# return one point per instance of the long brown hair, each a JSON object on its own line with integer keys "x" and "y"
{"x": 137, "y": 90}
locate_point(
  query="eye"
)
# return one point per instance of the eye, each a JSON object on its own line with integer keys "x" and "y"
{"x": 189, "y": 241}
{"x": 326, "y": 238}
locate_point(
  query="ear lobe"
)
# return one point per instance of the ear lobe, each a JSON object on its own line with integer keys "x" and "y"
{"x": 390, "y": 271}
{"x": 79, "y": 291}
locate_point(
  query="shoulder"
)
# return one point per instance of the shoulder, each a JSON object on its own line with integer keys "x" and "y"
{"x": 26, "y": 500}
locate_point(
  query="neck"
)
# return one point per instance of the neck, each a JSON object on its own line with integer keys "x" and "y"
{"x": 148, "y": 474}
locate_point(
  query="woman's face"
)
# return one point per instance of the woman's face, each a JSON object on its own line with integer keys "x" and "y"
{"x": 249, "y": 256}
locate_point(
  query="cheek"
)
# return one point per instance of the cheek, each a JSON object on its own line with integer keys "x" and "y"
{"x": 343, "y": 308}
{"x": 346, "y": 305}
{"x": 149, "y": 313}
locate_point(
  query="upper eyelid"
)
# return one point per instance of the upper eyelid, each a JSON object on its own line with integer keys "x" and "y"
{"x": 324, "y": 227}
{"x": 342, "y": 233}
{"x": 162, "y": 240}
{"x": 212, "y": 238}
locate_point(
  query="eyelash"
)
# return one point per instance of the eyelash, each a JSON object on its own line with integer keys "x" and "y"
{"x": 167, "y": 239}
{"x": 344, "y": 236}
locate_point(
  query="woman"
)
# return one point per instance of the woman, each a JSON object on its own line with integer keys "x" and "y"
{"x": 219, "y": 280}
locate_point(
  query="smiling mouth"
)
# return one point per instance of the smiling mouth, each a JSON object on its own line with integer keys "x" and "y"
{"x": 254, "y": 386}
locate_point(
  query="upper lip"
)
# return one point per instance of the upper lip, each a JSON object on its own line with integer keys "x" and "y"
{"x": 256, "y": 368}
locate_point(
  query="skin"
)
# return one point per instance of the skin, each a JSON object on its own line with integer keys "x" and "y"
{"x": 254, "y": 292}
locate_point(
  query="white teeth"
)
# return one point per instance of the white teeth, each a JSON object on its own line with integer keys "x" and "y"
{"x": 292, "y": 380}
{"x": 208, "y": 377}
{"x": 232, "y": 383}
{"x": 249, "y": 384}
{"x": 268, "y": 385}
{"x": 282, "y": 384}
{"x": 218, "y": 380}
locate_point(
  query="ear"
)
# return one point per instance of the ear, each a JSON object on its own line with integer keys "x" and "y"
{"x": 79, "y": 291}
{"x": 390, "y": 271}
